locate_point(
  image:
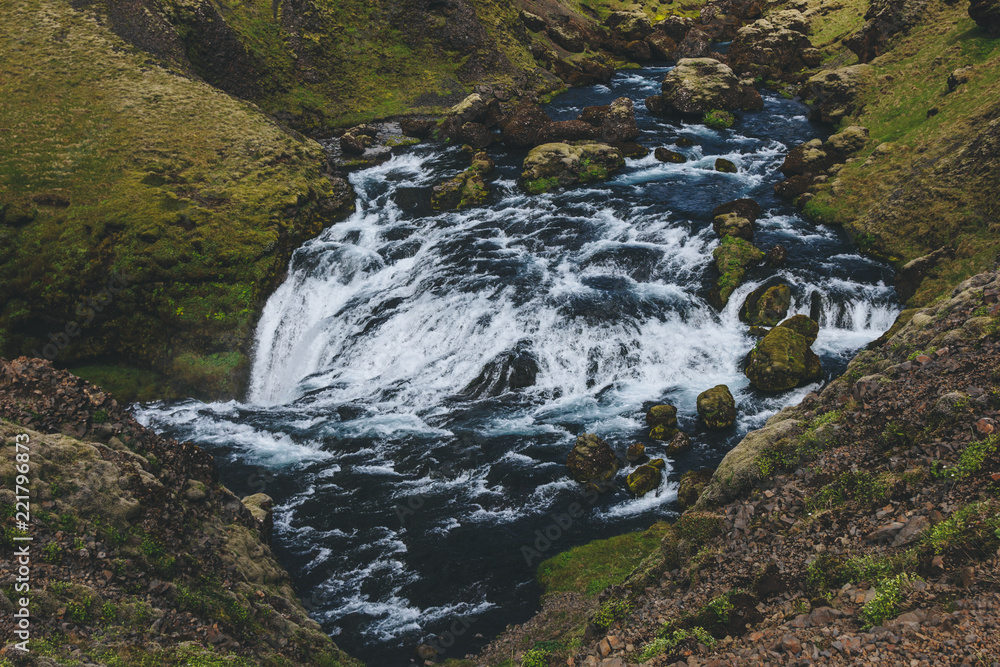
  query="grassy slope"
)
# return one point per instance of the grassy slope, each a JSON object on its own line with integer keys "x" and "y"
{"x": 130, "y": 169}
{"x": 921, "y": 191}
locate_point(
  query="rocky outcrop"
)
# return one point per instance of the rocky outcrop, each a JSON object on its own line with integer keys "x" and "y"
{"x": 717, "y": 407}
{"x": 833, "y": 94}
{"x": 731, "y": 224}
{"x": 137, "y": 545}
{"x": 618, "y": 124}
{"x": 522, "y": 128}
{"x": 744, "y": 208}
{"x": 883, "y": 20}
{"x": 468, "y": 188}
{"x": 783, "y": 359}
{"x": 592, "y": 462}
{"x": 816, "y": 158}
{"x": 774, "y": 47}
{"x": 698, "y": 85}
{"x": 911, "y": 274}
{"x": 560, "y": 165}
{"x": 986, "y": 14}
{"x": 692, "y": 483}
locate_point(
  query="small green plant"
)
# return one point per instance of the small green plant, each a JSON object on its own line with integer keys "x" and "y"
{"x": 99, "y": 417}
{"x": 109, "y": 613}
{"x": 52, "y": 552}
{"x": 973, "y": 529}
{"x": 975, "y": 454}
{"x": 610, "y": 612}
{"x": 721, "y": 606}
{"x": 535, "y": 657}
{"x": 718, "y": 119}
{"x": 670, "y": 639}
{"x": 885, "y": 604}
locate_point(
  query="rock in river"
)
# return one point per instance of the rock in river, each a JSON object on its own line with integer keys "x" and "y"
{"x": 646, "y": 477}
{"x": 592, "y": 461}
{"x": 717, "y": 407}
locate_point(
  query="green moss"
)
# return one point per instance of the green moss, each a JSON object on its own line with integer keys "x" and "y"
{"x": 698, "y": 527}
{"x": 732, "y": 258}
{"x": 540, "y": 185}
{"x": 611, "y": 612}
{"x": 973, "y": 530}
{"x": 594, "y": 566}
{"x": 718, "y": 119}
{"x": 885, "y": 604}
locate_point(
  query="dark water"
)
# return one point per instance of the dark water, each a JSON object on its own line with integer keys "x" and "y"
{"x": 421, "y": 377}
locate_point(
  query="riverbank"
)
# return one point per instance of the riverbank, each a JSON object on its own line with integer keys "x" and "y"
{"x": 136, "y": 554}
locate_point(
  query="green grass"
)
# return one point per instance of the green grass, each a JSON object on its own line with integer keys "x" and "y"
{"x": 908, "y": 81}
{"x": 594, "y": 566}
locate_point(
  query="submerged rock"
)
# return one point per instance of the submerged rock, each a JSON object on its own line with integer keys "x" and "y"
{"x": 766, "y": 306}
{"x": 662, "y": 420}
{"x": 508, "y": 371}
{"x": 725, "y": 166}
{"x": 717, "y": 407}
{"x": 592, "y": 461}
{"x": 646, "y": 477}
{"x": 783, "y": 360}
{"x": 561, "y": 164}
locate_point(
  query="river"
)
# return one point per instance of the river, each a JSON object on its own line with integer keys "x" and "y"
{"x": 421, "y": 376}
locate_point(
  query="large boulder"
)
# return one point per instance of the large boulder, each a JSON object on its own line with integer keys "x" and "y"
{"x": 698, "y": 85}
{"x": 772, "y": 48}
{"x": 986, "y": 14}
{"x": 675, "y": 27}
{"x": 532, "y": 22}
{"x": 883, "y": 20}
{"x": 646, "y": 477}
{"x": 662, "y": 421}
{"x": 833, "y": 94}
{"x": 661, "y": 46}
{"x": 526, "y": 121}
{"x": 766, "y": 306}
{"x": 462, "y": 191}
{"x": 732, "y": 259}
{"x": 679, "y": 443}
{"x": 567, "y": 37}
{"x": 618, "y": 124}
{"x": 717, "y": 407}
{"x": 781, "y": 361}
{"x": 560, "y": 164}
{"x": 666, "y": 155}
{"x": 592, "y": 461}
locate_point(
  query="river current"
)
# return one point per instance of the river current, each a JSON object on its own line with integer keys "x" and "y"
{"x": 421, "y": 376}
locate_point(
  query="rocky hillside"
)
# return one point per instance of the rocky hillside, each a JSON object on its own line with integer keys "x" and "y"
{"x": 138, "y": 555}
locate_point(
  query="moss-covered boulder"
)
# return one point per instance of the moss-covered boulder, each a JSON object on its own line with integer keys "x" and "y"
{"x": 732, "y": 259}
{"x": 726, "y": 166}
{"x": 692, "y": 483}
{"x": 662, "y": 421}
{"x": 744, "y": 208}
{"x": 767, "y": 305}
{"x": 731, "y": 224}
{"x": 561, "y": 164}
{"x": 804, "y": 326}
{"x": 592, "y": 461}
{"x": 717, "y": 407}
{"x": 646, "y": 477}
{"x": 666, "y": 155}
{"x": 698, "y": 85}
{"x": 781, "y": 361}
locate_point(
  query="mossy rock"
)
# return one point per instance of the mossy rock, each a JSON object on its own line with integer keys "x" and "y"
{"x": 646, "y": 477}
{"x": 726, "y": 166}
{"x": 732, "y": 224}
{"x": 636, "y": 452}
{"x": 692, "y": 484}
{"x": 698, "y": 527}
{"x": 666, "y": 155}
{"x": 732, "y": 259}
{"x": 662, "y": 420}
{"x": 781, "y": 361}
{"x": 561, "y": 164}
{"x": 717, "y": 407}
{"x": 592, "y": 461}
{"x": 462, "y": 191}
{"x": 804, "y": 326}
{"x": 766, "y": 305}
